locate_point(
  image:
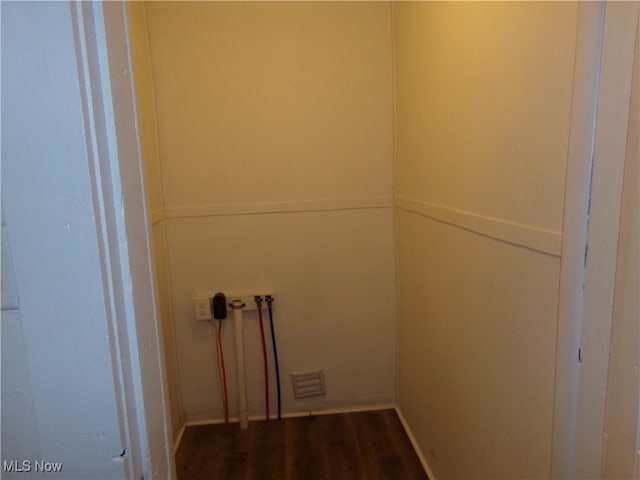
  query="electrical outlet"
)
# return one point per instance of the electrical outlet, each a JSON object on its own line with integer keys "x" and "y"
{"x": 249, "y": 302}
{"x": 203, "y": 308}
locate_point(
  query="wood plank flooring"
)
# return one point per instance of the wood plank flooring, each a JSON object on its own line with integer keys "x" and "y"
{"x": 351, "y": 446}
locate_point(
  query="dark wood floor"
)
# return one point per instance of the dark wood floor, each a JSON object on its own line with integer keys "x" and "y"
{"x": 364, "y": 445}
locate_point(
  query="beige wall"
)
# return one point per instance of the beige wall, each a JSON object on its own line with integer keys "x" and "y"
{"x": 483, "y": 107}
{"x": 145, "y": 104}
{"x": 267, "y": 102}
{"x": 620, "y": 451}
{"x": 275, "y": 128}
{"x": 483, "y": 97}
{"x": 147, "y": 125}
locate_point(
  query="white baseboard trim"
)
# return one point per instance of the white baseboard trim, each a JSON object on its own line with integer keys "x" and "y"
{"x": 415, "y": 445}
{"x": 304, "y": 413}
{"x": 176, "y": 442}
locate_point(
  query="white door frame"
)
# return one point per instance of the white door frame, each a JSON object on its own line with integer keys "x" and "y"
{"x": 614, "y": 101}
{"x": 600, "y": 112}
{"x": 104, "y": 65}
{"x": 574, "y": 236}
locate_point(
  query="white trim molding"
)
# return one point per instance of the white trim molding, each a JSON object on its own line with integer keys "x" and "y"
{"x": 298, "y": 414}
{"x": 545, "y": 241}
{"x": 295, "y": 206}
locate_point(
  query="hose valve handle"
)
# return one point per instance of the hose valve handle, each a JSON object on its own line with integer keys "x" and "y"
{"x": 237, "y": 304}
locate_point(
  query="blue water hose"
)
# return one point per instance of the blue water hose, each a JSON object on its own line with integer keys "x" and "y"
{"x": 269, "y": 299}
